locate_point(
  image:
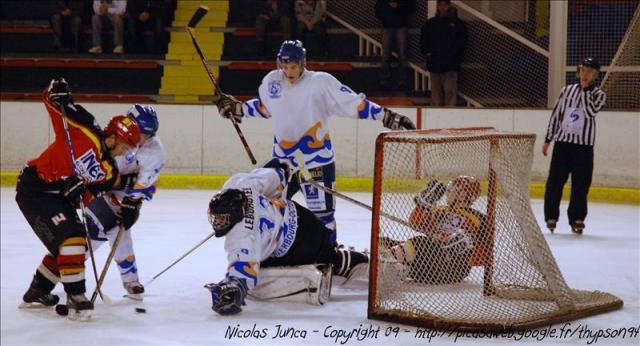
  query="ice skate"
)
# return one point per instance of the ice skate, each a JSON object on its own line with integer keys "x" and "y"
{"x": 577, "y": 226}
{"x": 134, "y": 290}
{"x": 35, "y": 298}
{"x": 80, "y": 308}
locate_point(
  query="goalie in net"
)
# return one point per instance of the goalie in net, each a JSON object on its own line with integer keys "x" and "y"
{"x": 452, "y": 241}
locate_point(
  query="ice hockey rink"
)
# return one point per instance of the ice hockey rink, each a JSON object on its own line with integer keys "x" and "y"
{"x": 606, "y": 257}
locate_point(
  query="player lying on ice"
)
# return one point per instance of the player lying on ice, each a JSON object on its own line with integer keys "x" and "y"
{"x": 262, "y": 230}
{"x": 454, "y": 233}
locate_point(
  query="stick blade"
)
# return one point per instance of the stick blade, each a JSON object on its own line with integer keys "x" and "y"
{"x": 197, "y": 16}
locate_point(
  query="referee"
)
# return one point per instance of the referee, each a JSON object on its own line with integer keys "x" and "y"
{"x": 573, "y": 126}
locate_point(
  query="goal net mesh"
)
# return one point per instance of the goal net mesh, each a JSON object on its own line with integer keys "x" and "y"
{"x": 455, "y": 241}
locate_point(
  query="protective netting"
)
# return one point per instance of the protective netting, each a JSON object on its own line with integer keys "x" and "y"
{"x": 506, "y": 61}
{"x": 456, "y": 243}
{"x": 622, "y": 79}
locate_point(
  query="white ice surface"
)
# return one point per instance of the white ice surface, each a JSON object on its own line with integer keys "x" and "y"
{"x": 605, "y": 258}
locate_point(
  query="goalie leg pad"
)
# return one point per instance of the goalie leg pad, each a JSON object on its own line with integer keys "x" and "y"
{"x": 309, "y": 284}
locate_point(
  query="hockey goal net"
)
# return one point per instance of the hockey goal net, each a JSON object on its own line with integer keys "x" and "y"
{"x": 475, "y": 258}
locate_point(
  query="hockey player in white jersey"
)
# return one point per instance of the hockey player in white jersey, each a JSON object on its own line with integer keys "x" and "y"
{"x": 300, "y": 102}
{"x": 139, "y": 170}
{"x": 262, "y": 230}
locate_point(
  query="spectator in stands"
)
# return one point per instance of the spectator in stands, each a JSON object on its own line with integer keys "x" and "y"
{"x": 144, "y": 24}
{"x": 169, "y": 12}
{"x": 394, "y": 15}
{"x": 310, "y": 16}
{"x": 443, "y": 41}
{"x": 108, "y": 13}
{"x": 66, "y": 23}
{"x": 273, "y": 11}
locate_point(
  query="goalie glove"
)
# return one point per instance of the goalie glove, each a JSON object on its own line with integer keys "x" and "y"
{"x": 228, "y": 106}
{"x": 227, "y": 296}
{"x": 430, "y": 195}
{"x": 396, "y": 121}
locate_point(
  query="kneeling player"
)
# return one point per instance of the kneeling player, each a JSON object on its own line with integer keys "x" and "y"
{"x": 140, "y": 170}
{"x": 452, "y": 241}
{"x": 263, "y": 230}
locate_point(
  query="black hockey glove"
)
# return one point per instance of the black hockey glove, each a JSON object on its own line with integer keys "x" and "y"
{"x": 430, "y": 195}
{"x": 59, "y": 92}
{"x": 73, "y": 188}
{"x": 127, "y": 181}
{"x": 129, "y": 211}
{"x": 396, "y": 121}
{"x": 227, "y": 296}
{"x": 229, "y": 107}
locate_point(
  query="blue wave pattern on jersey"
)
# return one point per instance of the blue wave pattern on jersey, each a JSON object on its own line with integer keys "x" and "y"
{"x": 253, "y": 108}
{"x": 369, "y": 110}
{"x": 246, "y": 270}
{"x": 309, "y": 144}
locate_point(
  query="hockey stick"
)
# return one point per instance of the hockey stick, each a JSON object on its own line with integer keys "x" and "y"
{"x": 179, "y": 259}
{"x": 306, "y": 175}
{"x": 81, "y": 214}
{"x": 107, "y": 264}
{"x": 197, "y": 16}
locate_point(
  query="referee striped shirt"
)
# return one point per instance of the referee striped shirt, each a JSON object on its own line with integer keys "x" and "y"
{"x": 573, "y": 119}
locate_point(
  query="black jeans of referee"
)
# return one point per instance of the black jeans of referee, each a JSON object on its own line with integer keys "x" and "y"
{"x": 574, "y": 159}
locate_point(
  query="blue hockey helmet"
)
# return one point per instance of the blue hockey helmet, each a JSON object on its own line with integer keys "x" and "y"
{"x": 292, "y": 51}
{"x": 146, "y": 118}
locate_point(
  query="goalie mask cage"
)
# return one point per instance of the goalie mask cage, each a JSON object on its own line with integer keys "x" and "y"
{"x": 512, "y": 282}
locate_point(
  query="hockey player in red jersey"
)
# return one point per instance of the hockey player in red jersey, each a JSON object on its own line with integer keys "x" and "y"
{"x": 453, "y": 240}
{"x": 51, "y": 185}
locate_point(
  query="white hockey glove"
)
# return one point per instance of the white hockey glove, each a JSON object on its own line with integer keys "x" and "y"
{"x": 430, "y": 195}
{"x": 228, "y": 295}
{"x": 396, "y": 121}
{"x": 228, "y": 106}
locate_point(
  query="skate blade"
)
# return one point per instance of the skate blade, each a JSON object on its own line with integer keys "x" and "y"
{"x": 79, "y": 316}
{"x": 137, "y": 297}
{"x": 34, "y": 306}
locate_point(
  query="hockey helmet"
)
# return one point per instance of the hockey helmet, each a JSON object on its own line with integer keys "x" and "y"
{"x": 463, "y": 190}
{"x": 226, "y": 208}
{"x": 125, "y": 129}
{"x": 292, "y": 51}
{"x": 146, "y": 118}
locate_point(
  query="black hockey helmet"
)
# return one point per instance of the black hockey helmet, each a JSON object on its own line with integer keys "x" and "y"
{"x": 590, "y": 62}
{"x": 226, "y": 208}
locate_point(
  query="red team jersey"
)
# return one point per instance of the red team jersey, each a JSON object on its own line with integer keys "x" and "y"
{"x": 93, "y": 164}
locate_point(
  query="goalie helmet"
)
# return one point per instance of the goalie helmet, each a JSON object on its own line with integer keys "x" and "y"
{"x": 125, "y": 129}
{"x": 146, "y": 118}
{"x": 292, "y": 51}
{"x": 463, "y": 191}
{"x": 226, "y": 208}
